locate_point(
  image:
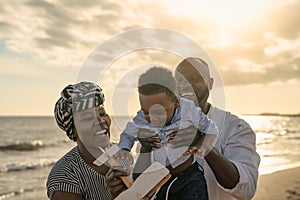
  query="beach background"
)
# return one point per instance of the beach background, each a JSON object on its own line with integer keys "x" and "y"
{"x": 252, "y": 47}
{"x": 29, "y": 146}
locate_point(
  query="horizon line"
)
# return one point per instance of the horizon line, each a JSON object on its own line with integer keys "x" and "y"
{"x": 255, "y": 114}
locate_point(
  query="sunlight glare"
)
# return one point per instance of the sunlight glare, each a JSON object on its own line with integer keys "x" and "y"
{"x": 229, "y": 13}
{"x": 258, "y": 123}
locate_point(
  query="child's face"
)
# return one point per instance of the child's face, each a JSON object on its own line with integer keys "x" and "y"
{"x": 158, "y": 108}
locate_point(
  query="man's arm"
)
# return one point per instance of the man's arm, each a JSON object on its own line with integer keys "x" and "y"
{"x": 236, "y": 168}
{"x": 225, "y": 171}
{"x": 240, "y": 149}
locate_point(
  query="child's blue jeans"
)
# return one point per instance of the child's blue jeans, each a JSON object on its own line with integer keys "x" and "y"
{"x": 190, "y": 185}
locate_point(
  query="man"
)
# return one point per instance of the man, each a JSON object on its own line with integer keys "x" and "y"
{"x": 231, "y": 165}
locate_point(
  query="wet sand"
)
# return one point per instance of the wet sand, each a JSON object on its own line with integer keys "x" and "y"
{"x": 279, "y": 185}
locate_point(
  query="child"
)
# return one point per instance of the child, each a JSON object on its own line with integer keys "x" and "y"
{"x": 163, "y": 112}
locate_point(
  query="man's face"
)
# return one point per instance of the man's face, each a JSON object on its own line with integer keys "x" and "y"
{"x": 191, "y": 84}
{"x": 158, "y": 109}
{"x": 92, "y": 127}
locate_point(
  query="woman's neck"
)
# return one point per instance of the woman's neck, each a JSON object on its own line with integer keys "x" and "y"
{"x": 89, "y": 159}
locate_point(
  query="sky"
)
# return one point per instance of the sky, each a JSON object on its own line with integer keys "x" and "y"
{"x": 253, "y": 47}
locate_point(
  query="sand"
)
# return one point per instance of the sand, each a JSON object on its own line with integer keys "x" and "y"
{"x": 279, "y": 185}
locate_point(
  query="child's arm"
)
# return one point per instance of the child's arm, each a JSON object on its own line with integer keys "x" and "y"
{"x": 128, "y": 136}
{"x": 126, "y": 141}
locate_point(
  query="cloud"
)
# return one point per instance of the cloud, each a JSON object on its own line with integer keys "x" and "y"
{"x": 280, "y": 72}
{"x": 269, "y": 43}
{"x": 284, "y": 20}
{"x": 63, "y": 33}
{"x": 5, "y": 28}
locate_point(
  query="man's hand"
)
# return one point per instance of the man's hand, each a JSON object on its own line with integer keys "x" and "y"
{"x": 114, "y": 183}
{"x": 190, "y": 137}
{"x": 148, "y": 139}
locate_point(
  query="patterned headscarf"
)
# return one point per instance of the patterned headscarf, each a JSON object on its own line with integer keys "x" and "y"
{"x": 74, "y": 98}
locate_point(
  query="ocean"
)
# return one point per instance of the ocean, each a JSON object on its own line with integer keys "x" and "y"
{"x": 29, "y": 147}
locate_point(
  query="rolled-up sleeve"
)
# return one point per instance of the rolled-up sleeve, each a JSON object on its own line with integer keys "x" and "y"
{"x": 128, "y": 136}
{"x": 240, "y": 149}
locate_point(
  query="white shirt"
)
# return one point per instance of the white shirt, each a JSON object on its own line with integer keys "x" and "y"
{"x": 237, "y": 142}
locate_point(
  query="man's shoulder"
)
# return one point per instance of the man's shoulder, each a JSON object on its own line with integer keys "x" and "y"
{"x": 187, "y": 106}
{"x": 186, "y": 102}
{"x": 231, "y": 120}
{"x": 217, "y": 111}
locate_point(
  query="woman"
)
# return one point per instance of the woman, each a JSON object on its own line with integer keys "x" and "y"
{"x": 80, "y": 113}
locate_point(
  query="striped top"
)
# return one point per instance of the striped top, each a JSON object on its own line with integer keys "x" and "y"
{"x": 72, "y": 174}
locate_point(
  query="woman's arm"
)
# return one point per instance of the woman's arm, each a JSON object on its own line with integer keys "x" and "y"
{"x": 58, "y": 195}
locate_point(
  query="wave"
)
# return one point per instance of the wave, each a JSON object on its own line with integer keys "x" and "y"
{"x": 280, "y": 154}
{"x": 13, "y": 167}
{"x": 25, "y": 146}
{"x": 13, "y": 193}
{"x": 293, "y": 138}
{"x": 20, "y": 191}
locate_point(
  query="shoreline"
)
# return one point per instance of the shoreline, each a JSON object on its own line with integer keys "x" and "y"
{"x": 284, "y": 184}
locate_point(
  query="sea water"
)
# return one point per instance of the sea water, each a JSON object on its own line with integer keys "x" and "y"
{"x": 29, "y": 147}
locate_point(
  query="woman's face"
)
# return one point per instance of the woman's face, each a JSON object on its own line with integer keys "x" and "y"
{"x": 92, "y": 128}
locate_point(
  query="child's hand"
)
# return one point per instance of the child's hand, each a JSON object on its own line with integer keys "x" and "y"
{"x": 148, "y": 139}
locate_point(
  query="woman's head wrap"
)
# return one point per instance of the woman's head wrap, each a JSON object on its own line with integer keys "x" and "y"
{"x": 74, "y": 98}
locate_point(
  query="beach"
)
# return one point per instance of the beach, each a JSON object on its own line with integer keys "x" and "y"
{"x": 29, "y": 147}
{"x": 279, "y": 185}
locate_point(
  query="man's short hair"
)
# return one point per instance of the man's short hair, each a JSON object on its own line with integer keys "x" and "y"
{"x": 201, "y": 66}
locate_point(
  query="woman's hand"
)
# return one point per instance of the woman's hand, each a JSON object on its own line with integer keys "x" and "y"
{"x": 114, "y": 183}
